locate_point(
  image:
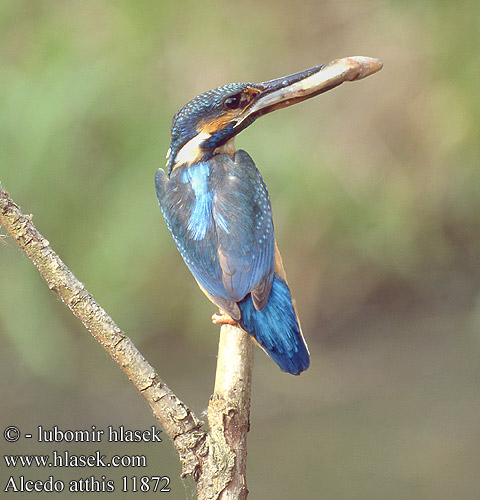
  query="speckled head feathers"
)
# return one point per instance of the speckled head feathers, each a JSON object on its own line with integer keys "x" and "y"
{"x": 211, "y": 114}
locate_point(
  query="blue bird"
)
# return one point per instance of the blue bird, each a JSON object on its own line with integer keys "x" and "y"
{"x": 217, "y": 208}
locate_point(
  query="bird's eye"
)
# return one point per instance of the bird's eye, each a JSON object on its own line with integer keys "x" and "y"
{"x": 233, "y": 102}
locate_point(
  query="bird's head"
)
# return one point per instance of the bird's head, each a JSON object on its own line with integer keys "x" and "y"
{"x": 207, "y": 124}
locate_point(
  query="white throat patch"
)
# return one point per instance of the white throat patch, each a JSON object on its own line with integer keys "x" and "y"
{"x": 191, "y": 152}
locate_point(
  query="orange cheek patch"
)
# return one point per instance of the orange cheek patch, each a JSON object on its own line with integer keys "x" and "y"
{"x": 228, "y": 115}
{"x": 218, "y": 123}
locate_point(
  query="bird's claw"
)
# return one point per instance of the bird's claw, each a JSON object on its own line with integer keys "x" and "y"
{"x": 222, "y": 318}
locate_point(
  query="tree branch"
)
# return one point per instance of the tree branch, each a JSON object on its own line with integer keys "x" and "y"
{"x": 229, "y": 408}
{"x": 176, "y": 418}
{"x": 216, "y": 459}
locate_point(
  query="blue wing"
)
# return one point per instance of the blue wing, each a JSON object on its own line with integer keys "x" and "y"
{"x": 220, "y": 217}
{"x": 243, "y": 220}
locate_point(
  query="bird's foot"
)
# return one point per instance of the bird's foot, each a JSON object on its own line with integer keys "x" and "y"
{"x": 222, "y": 318}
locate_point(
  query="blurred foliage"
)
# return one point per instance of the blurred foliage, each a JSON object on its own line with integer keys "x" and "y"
{"x": 376, "y": 196}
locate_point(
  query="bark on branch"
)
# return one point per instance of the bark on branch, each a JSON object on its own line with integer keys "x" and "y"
{"x": 216, "y": 458}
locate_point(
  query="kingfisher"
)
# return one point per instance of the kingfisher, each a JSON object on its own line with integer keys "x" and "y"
{"x": 218, "y": 210}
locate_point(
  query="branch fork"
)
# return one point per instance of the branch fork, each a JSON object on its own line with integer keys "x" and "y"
{"x": 216, "y": 458}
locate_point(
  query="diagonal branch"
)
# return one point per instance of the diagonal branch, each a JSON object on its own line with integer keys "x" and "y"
{"x": 176, "y": 418}
{"x": 216, "y": 459}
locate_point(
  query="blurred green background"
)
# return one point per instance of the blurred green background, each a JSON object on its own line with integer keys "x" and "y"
{"x": 376, "y": 195}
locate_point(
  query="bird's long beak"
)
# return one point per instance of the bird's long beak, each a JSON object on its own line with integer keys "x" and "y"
{"x": 283, "y": 92}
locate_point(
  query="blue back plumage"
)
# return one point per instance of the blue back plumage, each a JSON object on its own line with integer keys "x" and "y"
{"x": 201, "y": 215}
{"x": 276, "y": 328}
{"x": 219, "y": 214}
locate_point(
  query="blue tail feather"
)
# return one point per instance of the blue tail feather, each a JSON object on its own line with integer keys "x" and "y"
{"x": 276, "y": 328}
